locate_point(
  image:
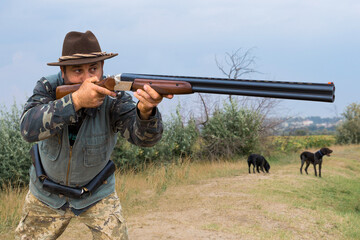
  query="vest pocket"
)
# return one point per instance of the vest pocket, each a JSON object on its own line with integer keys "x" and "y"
{"x": 51, "y": 147}
{"x": 95, "y": 154}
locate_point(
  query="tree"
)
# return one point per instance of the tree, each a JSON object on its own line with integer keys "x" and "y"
{"x": 349, "y": 131}
{"x": 14, "y": 151}
{"x": 235, "y": 66}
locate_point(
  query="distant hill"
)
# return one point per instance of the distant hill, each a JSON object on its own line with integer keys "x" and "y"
{"x": 308, "y": 126}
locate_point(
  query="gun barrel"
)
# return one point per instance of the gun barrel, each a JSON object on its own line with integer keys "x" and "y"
{"x": 258, "y": 88}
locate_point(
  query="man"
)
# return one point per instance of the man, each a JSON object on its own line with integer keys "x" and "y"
{"x": 76, "y": 136}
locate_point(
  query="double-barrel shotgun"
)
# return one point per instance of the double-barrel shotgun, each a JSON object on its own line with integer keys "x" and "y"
{"x": 164, "y": 84}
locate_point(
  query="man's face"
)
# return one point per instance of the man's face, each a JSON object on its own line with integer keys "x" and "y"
{"x": 78, "y": 73}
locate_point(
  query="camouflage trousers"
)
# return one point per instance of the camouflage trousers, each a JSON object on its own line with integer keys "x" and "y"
{"x": 39, "y": 221}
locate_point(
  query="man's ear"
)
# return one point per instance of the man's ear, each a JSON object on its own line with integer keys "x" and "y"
{"x": 102, "y": 69}
{"x": 62, "y": 68}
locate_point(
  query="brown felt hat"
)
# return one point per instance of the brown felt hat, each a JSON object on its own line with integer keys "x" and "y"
{"x": 81, "y": 48}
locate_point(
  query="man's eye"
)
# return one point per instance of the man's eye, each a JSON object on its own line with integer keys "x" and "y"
{"x": 93, "y": 69}
{"x": 77, "y": 70}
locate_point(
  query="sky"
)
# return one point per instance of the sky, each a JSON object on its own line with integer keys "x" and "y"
{"x": 291, "y": 40}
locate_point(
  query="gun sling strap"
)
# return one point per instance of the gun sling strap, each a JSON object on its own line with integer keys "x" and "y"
{"x": 72, "y": 192}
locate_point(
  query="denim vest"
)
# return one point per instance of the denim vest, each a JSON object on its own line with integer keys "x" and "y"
{"x": 76, "y": 166}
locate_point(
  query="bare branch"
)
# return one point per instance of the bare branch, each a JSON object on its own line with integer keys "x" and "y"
{"x": 205, "y": 110}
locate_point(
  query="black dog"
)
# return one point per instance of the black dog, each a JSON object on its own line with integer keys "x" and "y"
{"x": 259, "y": 162}
{"x": 314, "y": 159}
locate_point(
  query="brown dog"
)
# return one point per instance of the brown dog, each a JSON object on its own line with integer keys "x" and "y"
{"x": 314, "y": 159}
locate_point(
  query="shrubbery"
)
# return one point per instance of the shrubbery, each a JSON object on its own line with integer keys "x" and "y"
{"x": 231, "y": 131}
{"x": 297, "y": 143}
{"x": 179, "y": 140}
{"x": 349, "y": 131}
{"x": 14, "y": 151}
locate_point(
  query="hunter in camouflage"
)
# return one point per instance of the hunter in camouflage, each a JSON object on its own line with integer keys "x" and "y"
{"x": 76, "y": 135}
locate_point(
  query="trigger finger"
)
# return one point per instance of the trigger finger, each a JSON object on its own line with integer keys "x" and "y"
{"x": 94, "y": 80}
{"x": 104, "y": 91}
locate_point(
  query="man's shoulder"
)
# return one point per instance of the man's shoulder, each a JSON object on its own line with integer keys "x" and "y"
{"x": 49, "y": 83}
{"x": 54, "y": 79}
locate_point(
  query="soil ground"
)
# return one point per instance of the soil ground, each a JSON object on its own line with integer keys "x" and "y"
{"x": 224, "y": 208}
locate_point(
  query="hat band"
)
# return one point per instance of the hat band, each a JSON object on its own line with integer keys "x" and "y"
{"x": 84, "y": 55}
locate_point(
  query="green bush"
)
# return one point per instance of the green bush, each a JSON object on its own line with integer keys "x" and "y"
{"x": 289, "y": 144}
{"x": 232, "y": 131}
{"x": 178, "y": 141}
{"x": 349, "y": 131}
{"x": 14, "y": 151}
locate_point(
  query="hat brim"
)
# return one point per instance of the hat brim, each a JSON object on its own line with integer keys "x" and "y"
{"x": 81, "y": 61}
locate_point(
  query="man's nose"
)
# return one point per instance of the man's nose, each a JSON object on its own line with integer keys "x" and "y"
{"x": 88, "y": 74}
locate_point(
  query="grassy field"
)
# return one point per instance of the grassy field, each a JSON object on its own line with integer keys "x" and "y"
{"x": 220, "y": 200}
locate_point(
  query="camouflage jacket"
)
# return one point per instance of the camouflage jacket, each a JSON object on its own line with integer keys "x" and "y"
{"x": 46, "y": 120}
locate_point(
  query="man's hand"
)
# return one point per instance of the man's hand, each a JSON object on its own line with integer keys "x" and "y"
{"x": 90, "y": 95}
{"x": 148, "y": 99}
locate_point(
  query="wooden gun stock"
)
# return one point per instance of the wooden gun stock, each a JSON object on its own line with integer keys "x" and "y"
{"x": 63, "y": 90}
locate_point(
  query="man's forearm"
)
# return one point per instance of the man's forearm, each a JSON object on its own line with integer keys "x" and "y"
{"x": 44, "y": 120}
{"x": 126, "y": 119}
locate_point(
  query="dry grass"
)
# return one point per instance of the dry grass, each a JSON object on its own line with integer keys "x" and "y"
{"x": 139, "y": 191}
{"x": 11, "y": 202}
{"x": 220, "y": 200}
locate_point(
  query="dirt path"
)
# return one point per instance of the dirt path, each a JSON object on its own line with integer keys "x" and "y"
{"x": 222, "y": 208}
